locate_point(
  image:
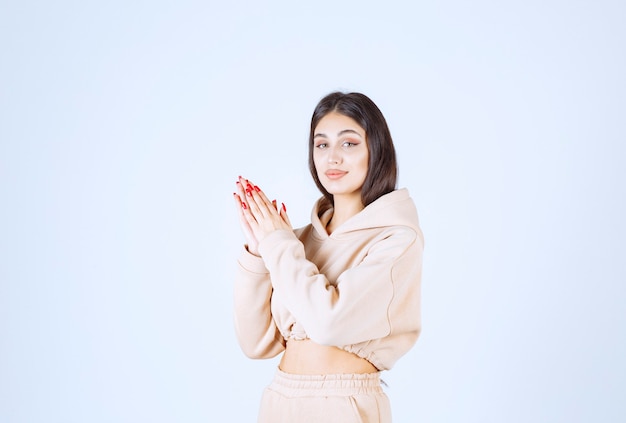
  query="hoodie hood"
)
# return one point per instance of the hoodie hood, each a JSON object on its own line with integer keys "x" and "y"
{"x": 393, "y": 209}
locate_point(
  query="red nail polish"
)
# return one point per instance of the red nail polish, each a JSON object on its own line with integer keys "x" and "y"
{"x": 257, "y": 189}
{"x": 243, "y": 205}
{"x": 284, "y": 207}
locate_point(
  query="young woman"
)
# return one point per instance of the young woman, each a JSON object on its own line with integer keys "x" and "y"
{"x": 340, "y": 297}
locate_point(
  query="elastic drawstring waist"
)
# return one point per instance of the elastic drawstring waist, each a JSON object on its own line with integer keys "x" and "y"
{"x": 293, "y": 385}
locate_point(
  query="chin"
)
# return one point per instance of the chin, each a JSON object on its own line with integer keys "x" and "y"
{"x": 345, "y": 193}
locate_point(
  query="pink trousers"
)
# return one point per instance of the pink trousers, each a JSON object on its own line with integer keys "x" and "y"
{"x": 344, "y": 398}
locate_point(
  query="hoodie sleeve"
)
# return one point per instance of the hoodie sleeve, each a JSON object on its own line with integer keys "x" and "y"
{"x": 256, "y": 330}
{"x": 371, "y": 300}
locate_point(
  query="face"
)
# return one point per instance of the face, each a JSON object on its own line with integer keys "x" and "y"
{"x": 341, "y": 155}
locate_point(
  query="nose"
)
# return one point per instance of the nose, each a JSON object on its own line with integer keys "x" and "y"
{"x": 334, "y": 156}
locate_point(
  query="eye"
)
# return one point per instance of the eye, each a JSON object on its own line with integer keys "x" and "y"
{"x": 350, "y": 144}
{"x": 321, "y": 145}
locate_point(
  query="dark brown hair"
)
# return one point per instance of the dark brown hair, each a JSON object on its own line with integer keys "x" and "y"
{"x": 382, "y": 169}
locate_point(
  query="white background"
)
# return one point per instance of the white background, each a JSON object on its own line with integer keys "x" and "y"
{"x": 123, "y": 126}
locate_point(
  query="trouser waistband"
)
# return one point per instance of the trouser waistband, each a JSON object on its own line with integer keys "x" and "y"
{"x": 293, "y": 385}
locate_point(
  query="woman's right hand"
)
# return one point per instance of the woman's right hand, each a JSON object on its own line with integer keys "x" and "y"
{"x": 257, "y": 215}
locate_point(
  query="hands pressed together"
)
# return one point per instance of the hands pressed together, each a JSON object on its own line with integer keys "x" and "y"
{"x": 257, "y": 214}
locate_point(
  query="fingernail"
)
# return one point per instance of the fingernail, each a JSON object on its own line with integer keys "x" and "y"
{"x": 284, "y": 207}
{"x": 274, "y": 203}
{"x": 257, "y": 189}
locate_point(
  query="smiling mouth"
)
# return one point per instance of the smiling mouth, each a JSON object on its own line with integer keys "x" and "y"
{"x": 334, "y": 174}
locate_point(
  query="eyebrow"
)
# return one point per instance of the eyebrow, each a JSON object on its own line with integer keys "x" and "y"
{"x": 345, "y": 131}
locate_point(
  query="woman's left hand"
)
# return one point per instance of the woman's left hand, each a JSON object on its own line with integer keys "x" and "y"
{"x": 262, "y": 215}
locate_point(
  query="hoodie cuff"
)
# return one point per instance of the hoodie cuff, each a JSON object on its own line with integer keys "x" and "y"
{"x": 270, "y": 243}
{"x": 250, "y": 262}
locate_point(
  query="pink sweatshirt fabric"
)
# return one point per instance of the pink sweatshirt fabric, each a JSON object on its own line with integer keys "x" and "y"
{"x": 357, "y": 289}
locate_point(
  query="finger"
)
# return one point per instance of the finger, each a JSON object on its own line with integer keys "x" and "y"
{"x": 245, "y": 182}
{"x": 266, "y": 201}
{"x": 263, "y": 203}
{"x": 243, "y": 186}
{"x": 255, "y": 195}
{"x": 259, "y": 201}
{"x": 250, "y": 218}
{"x": 247, "y": 191}
{"x": 247, "y": 185}
{"x": 241, "y": 192}
{"x": 283, "y": 214}
{"x": 253, "y": 204}
{"x": 244, "y": 212}
{"x": 241, "y": 206}
{"x": 246, "y": 188}
{"x": 248, "y": 206}
{"x": 238, "y": 203}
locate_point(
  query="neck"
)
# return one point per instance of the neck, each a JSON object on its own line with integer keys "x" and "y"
{"x": 344, "y": 208}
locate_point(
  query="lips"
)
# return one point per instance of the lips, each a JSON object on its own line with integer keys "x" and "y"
{"x": 334, "y": 173}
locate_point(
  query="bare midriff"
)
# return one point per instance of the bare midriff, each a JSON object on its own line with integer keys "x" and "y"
{"x": 308, "y": 358}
